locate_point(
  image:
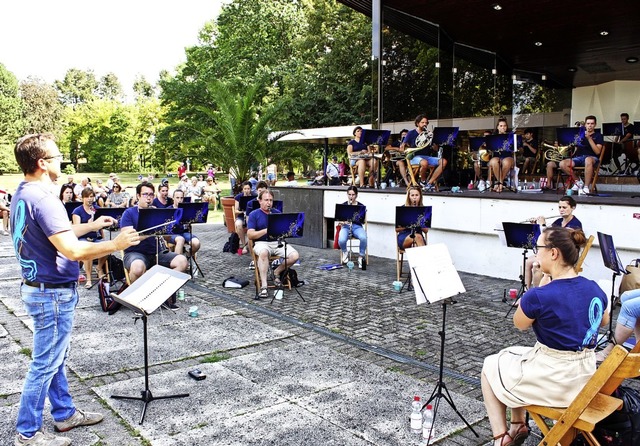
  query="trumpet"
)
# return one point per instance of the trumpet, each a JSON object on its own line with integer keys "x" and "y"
{"x": 534, "y": 219}
{"x": 559, "y": 153}
{"x": 481, "y": 155}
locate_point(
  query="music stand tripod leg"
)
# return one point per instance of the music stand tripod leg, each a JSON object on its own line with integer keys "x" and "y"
{"x": 609, "y": 337}
{"x": 438, "y": 393}
{"x": 523, "y": 285}
{"x": 286, "y": 275}
{"x": 145, "y": 395}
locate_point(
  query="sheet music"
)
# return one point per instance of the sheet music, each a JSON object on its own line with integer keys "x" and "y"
{"x": 434, "y": 276}
{"x": 150, "y": 291}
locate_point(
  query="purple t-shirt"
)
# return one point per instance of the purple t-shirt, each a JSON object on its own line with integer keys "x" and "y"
{"x": 37, "y": 214}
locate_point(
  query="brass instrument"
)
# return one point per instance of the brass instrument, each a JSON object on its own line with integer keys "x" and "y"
{"x": 559, "y": 153}
{"x": 424, "y": 139}
{"x": 481, "y": 155}
{"x": 533, "y": 219}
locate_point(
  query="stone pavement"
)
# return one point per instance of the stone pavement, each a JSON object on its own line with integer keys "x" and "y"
{"x": 340, "y": 367}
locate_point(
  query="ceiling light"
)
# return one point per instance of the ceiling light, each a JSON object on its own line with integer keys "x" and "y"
{"x": 604, "y": 33}
{"x": 632, "y": 59}
{"x": 544, "y": 77}
{"x": 437, "y": 64}
{"x": 494, "y": 71}
{"x": 496, "y": 6}
{"x": 538, "y": 44}
{"x": 572, "y": 69}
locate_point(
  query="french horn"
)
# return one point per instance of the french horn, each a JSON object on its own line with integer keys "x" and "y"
{"x": 424, "y": 139}
{"x": 481, "y": 155}
{"x": 559, "y": 153}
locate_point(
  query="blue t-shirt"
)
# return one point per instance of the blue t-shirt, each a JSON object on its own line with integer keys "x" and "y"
{"x": 252, "y": 206}
{"x": 567, "y": 312}
{"x": 258, "y": 221}
{"x": 146, "y": 246}
{"x": 584, "y": 148}
{"x": 36, "y": 214}
{"x": 84, "y": 218}
{"x": 357, "y": 146}
{"x": 573, "y": 223}
{"x": 158, "y": 204}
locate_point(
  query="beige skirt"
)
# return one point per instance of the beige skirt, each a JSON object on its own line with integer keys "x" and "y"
{"x": 540, "y": 375}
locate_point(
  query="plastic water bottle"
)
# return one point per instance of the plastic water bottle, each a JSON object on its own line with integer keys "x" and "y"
{"x": 427, "y": 422}
{"x": 416, "y": 415}
{"x": 481, "y": 185}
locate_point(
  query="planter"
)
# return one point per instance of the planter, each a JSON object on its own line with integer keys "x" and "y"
{"x": 228, "y": 205}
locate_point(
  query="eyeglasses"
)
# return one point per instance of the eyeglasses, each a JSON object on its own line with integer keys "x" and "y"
{"x": 535, "y": 248}
{"x": 147, "y": 194}
{"x": 53, "y": 157}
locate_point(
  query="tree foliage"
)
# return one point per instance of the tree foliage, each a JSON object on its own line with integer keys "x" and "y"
{"x": 41, "y": 107}
{"x": 78, "y": 87}
{"x": 11, "y": 125}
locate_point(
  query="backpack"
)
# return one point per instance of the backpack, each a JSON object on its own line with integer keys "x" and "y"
{"x": 233, "y": 244}
{"x": 292, "y": 277}
{"x": 107, "y": 302}
{"x": 622, "y": 427}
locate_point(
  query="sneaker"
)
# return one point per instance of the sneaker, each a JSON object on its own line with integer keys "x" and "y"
{"x": 42, "y": 439}
{"x": 360, "y": 262}
{"x": 5, "y": 233}
{"x": 79, "y": 418}
{"x": 584, "y": 191}
{"x": 575, "y": 187}
{"x": 297, "y": 264}
{"x": 345, "y": 256}
{"x": 429, "y": 187}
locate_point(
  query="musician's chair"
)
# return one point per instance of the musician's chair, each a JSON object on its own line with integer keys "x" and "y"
{"x": 560, "y": 177}
{"x": 270, "y": 274}
{"x": 353, "y": 244}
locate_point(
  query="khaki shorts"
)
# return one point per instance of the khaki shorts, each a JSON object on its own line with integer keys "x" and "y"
{"x": 273, "y": 249}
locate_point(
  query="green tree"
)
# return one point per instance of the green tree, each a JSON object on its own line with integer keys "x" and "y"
{"x": 142, "y": 88}
{"x": 11, "y": 125}
{"x": 109, "y": 87}
{"x": 41, "y": 107}
{"x": 78, "y": 87}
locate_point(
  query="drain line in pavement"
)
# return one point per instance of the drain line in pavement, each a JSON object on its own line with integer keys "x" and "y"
{"x": 395, "y": 356}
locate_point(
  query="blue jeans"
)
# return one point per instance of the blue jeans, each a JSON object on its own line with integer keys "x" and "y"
{"x": 52, "y": 312}
{"x": 357, "y": 232}
{"x": 630, "y": 310}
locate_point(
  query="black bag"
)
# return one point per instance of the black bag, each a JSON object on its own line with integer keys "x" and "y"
{"x": 107, "y": 302}
{"x": 116, "y": 268}
{"x": 233, "y": 244}
{"x": 621, "y": 428}
{"x": 293, "y": 278}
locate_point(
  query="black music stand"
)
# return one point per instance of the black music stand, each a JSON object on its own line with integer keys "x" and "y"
{"x": 437, "y": 281}
{"x": 279, "y": 228}
{"x": 611, "y": 260}
{"x": 414, "y": 218}
{"x": 144, "y": 296}
{"x": 351, "y": 214}
{"x": 523, "y": 236}
{"x": 70, "y": 206}
{"x": 192, "y": 213}
{"x": 115, "y": 213}
{"x": 445, "y": 136}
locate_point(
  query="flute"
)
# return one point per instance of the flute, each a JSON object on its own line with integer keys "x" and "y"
{"x": 533, "y": 219}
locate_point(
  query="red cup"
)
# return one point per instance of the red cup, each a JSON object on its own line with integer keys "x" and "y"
{"x": 239, "y": 251}
{"x": 513, "y": 293}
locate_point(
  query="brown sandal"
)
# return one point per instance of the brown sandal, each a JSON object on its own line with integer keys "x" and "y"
{"x": 501, "y": 437}
{"x": 521, "y": 434}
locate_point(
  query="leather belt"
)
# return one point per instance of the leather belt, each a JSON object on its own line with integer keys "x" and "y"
{"x": 49, "y": 285}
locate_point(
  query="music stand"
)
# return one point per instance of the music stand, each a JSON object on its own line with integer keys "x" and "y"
{"x": 379, "y": 138}
{"x": 352, "y": 215}
{"x": 414, "y": 218}
{"x": 611, "y": 260}
{"x": 144, "y": 296}
{"x": 281, "y": 227}
{"x": 445, "y": 136}
{"x": 437, "y": 281}
{"x": 523, "y": 236}
{"x": 115, "y": 213}
{"x": 193, "y": 213}
{"x": 70, "y": 206}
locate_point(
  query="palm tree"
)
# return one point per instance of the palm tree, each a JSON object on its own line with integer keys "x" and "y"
{"x": 239, "y": 135}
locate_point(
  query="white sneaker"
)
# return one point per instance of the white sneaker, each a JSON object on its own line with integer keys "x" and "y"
{"x": 584, "y": 191}
{"x": 575, "y": 187}
{"x": 360, "y": 262}
{"x": 345, "y": 256}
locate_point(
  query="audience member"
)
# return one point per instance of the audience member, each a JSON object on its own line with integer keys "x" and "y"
{"x": 163, "y": 200}
{"x": 117, "y": 198}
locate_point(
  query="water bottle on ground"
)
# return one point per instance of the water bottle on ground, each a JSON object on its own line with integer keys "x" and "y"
{"x": 427, "y": 422}
{"x": 416, "y": 415}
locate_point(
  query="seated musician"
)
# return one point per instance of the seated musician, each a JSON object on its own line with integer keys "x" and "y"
{"x": 392, "y": 150}
{"x": 425, "y": 156}
{"x": 139, "y": 258}
{"x": 263, "y": 248}
{"x": 241, "y": 221}
{"x": 408, "y": 237}
{"x": 84, "y": 214}
{"x": 353, "y": 229}
{"x": 529, "y": 151}
{"x": 628, "y": 130}
{"x": 532, "y": 273}
{"x": 628, "y": 322}
{"x": 183, "y": 237}
{"x": 502, "y": 162}
{"x": 587, "y": 152}
{"x": 361, "y": 156}
{"x": 163, "y": 200}
{"x": 479, "y": 164}
{"x": 252, "y": 205}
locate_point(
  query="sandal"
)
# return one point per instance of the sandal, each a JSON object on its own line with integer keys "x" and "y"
{"x": 88, "y": 285}
{"x": 521, "y": 434}
{"x": 501, "y": 437}
{"x": 264, "y": 293}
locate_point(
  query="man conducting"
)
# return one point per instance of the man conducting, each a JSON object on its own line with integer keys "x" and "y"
{"x": 48, "y": 251}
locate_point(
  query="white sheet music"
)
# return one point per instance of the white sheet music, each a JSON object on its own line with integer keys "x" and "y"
{"x": 433, "y": 274}
{"x": 152, "y": 289}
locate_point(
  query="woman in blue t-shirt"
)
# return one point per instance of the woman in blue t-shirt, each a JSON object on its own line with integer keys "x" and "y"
{"x": 360, "y": 156}
{"x": 84, "y": 214}
{"x": 565, "y": 316}
{"x": 408, "y": 237}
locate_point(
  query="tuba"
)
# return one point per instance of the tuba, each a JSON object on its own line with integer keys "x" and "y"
{"x": 559, "y": 153}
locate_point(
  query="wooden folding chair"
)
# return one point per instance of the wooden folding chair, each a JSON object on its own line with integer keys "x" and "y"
{"x": 583, "y": 255}
{"x": 400, "y": 273}
{"x": 593, "y": 404}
